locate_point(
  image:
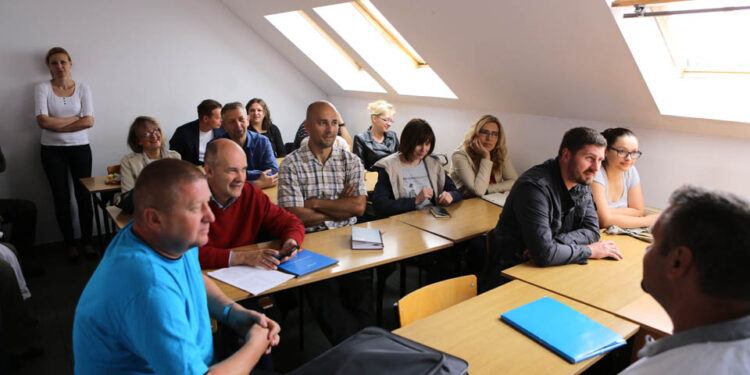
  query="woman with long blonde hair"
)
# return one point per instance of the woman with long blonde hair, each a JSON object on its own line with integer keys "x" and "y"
{"x": 481, "y": 164}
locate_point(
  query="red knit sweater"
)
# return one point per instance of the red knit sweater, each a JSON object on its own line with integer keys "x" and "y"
{"x": 239, "y": 224}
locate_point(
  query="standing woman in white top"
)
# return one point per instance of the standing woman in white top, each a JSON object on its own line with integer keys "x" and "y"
{"x": 481, "y": 164}
{"x": 64, "y": 111}
{"x": 145, "y": 139}
{"x": 617, "y": 186}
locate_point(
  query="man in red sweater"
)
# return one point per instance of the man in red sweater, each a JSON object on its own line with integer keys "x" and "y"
{"x": 241, "y": 210}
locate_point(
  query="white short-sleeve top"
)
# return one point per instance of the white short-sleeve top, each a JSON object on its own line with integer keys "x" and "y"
{"x": 630, "y": 179}
{"x": 78, "y": 104}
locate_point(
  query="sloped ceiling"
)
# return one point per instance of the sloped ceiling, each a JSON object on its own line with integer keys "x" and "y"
{"x": 543, "y": 57}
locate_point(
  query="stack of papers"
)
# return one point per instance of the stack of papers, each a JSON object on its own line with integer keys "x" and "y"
{"x": 366, "y": 239}
{"x": 496, "y": 198}
{"x": 563, "y": 330}
{"x": 251, "y": 279}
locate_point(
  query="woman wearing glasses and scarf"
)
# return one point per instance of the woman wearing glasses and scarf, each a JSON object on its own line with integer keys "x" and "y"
{"x": 481, "y": 164}
{"x": 145, "y": 139}
{"x": 617, "y": 186}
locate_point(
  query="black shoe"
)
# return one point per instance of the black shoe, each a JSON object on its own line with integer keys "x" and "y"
{"x": 90, "y": 252}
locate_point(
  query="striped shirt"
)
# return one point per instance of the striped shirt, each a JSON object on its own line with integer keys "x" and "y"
{"x": 302, "y": 177}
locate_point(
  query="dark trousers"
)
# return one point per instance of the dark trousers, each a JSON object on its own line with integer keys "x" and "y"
{"x": 59, "y": 162}
{"x": 342, "y": 305}
{"x": 12, "y": 307}
{"x": 21, "y": 214}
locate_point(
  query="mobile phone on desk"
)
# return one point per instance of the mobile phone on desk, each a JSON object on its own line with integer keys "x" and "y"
{"x": 439, "y": 212}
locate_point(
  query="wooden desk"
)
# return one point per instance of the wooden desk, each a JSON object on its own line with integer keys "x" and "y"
{"x": 613, "y": 286}
{"x": 98, "y": 188}
{"x": 469, "y": 218}
{"x": 400, "y": 241}
{"x": 371, "y": 178}
{"x": 121, "y": 219}
{"x": 473, "y": 331}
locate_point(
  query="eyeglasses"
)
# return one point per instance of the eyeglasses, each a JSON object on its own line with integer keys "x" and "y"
{"x": 488, "y": 133}
{"x": 385, "y": 120}
{"x": 623, "y": 153}
{"x": 152, "y": 133}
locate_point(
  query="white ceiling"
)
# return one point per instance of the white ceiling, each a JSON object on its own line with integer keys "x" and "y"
{"x": 554, "y": 58}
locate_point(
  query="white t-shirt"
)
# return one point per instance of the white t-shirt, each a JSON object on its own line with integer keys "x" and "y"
{"x": 7, "y": 255}
{"x": 203, "y": 140}
{"x": 630, "y": 181}
{"x": 78, "y": 104}
{"x": 414, "y": 180}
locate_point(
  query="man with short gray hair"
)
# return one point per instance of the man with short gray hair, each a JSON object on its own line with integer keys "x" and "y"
{"x": 697, "y": 269}
{"x": 262, "y": 169}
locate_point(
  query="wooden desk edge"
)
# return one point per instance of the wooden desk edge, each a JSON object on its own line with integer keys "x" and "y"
{"x": 238, "y": 294}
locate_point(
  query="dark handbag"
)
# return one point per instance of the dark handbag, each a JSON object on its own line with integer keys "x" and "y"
{"x": 374, "y": 350}
{"x": 125, "y": 202}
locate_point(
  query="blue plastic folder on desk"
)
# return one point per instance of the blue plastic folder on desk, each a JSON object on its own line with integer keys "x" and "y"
{"x": 305, "y": 262}
{"x": 563, "y": 330}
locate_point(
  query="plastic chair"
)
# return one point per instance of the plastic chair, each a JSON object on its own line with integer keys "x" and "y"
{"x": 435, "y": 297}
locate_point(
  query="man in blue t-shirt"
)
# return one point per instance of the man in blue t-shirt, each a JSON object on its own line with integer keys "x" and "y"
{"x": 146, "y": 307}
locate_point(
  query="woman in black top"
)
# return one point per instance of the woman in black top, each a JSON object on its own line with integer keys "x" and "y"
{"x": 260, "y": 122}
{"x": 377, "y": 141}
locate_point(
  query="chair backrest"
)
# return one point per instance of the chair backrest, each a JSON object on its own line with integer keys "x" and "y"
{"x": 432, "y": 298}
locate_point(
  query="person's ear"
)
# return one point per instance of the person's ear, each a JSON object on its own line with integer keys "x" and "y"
{"x": 153, "y": 219}
{"x": 679, "y": 262}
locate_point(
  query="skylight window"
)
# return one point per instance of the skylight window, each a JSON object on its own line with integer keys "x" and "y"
{"x": 365, "y": 29}
{"x": 324, "y": 52}
{"x": 694, "y": 64}
{"x": 704, "y": 43}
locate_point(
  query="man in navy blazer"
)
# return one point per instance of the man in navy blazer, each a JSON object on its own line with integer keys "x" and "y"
{"x": 190, "y": 140}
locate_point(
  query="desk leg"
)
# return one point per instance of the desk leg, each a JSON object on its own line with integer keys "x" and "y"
{"x": 402, "y": 276}
{"x": 97, "y": 207}
{"x": 301, "y": 317}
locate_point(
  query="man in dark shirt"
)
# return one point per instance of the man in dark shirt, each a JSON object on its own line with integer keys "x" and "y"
{"x": 549, "y": 215}
{"x": 190, "y": 140}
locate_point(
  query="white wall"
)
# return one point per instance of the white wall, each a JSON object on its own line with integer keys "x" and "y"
{"x": 671, "y": 158}
{"x": 157, "y": 58}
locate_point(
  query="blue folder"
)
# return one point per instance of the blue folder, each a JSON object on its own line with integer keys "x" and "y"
{"x": 563, "y": 330}
{"x": 305, "y": 262}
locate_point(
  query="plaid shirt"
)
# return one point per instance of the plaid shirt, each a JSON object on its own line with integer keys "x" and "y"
{"x": 302, "y": 177}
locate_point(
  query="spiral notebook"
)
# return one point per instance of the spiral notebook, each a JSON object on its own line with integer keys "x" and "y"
{"x": 562, "y": 329}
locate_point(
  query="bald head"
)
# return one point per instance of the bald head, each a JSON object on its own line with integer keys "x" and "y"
{"x": 226, "y": 169}
{"x": 219, "y": 149}
{"x": 316, "y": 107}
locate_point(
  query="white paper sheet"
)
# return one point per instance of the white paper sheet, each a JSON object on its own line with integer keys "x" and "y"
{"x": 253, "y": 280}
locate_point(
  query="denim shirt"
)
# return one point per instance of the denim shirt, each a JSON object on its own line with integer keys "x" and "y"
{"x": 542, "y": 216}
{"x": 258, "y": 152}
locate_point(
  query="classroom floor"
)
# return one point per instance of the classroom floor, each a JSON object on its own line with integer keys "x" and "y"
{"x": 55, "y": 294}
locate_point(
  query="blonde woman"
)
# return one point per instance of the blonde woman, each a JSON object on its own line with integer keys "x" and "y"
{"x": 481, "y": 164}
{"x": 145, "y": 139}
{"x": 64, "y": 111}
{"x": 377, "y": 141}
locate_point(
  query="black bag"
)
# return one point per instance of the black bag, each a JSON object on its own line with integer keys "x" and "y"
{"x": 374, "y": 350}
{"x": 125, "y": 202}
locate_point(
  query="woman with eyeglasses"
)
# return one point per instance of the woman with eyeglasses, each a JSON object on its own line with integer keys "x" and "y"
{"x": 377, "y": 141}
{"x": 145, "y": 139}
{"x": 64, "y": 111}
{"x": 481, "y": 164}
{"x": 412, "y": 178}
{"x": 617, "y": 186}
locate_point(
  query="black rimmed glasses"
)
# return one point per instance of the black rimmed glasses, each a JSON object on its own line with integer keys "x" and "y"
{"x": 488, "y": 133}
{"x": 624, "y": 153}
